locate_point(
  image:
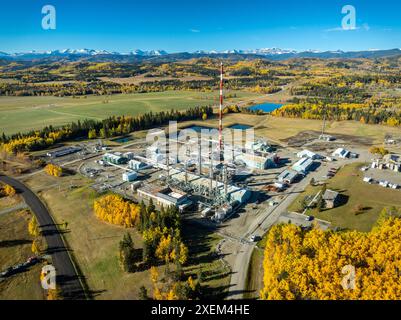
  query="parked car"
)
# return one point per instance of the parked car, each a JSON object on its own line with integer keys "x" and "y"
{"x": 253, "y": 238}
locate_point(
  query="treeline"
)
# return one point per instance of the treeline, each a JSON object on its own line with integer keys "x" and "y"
{"x": 97, "y": 87}
{"x": 370, "y": 113}
{"x": 110, "y": 127}
{"x": 350, "y": 88}
{"x": 331, "y": 91}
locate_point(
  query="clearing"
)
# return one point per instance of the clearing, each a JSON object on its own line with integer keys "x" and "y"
{"x": 349, "y": 182}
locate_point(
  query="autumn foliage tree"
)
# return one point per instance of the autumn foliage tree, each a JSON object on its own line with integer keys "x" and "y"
{"x": 33, "y": 227}
{"x": 53, "y": 170}
{"x": 308, "y": 264}
{"x": 168, "y": 288}
{"x": 378, "y": 150}
{"x": 161, "y": 231}
{"x": 114, "y": 209}
{"x": 7, "y": 190}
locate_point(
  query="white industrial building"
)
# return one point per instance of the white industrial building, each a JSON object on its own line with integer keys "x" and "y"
{"x": 341, "y": 153}
{"x": 137, "y": 165}
{"x": 308, "y": 154}
{"x": 257, "y": 162}
{"x": 303, "y": 165}
{"x": 288, "y": 176}
{"x": 165, "y": 196}
{"x": 130, "y": 176}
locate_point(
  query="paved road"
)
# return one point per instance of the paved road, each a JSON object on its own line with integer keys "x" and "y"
{"x": 67, "y": 277}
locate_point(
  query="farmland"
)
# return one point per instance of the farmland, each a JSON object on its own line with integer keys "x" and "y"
{"x": 20, "y": 114}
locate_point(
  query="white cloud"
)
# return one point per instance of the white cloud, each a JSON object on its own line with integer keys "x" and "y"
{"x": 339, "y": 29}
{"x": 364, "y": 27}
{"x": 194, "y": 30}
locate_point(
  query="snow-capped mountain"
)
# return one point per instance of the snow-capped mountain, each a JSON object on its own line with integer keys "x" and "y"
{"x": 263, "y": 51}
{"x": 268, "y": 53}
{"x": 150, "y": 53}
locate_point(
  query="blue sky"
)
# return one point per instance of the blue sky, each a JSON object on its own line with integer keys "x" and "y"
{"x": 191, "y": 25}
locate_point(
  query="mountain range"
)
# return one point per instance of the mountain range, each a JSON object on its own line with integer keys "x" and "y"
{"x": 268, "y": 53}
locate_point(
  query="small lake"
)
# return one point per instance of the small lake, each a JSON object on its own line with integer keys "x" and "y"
{"x": 266, "y": 107}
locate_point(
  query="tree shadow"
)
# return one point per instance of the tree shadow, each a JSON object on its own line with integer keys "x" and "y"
{"x": 13, "y": 243}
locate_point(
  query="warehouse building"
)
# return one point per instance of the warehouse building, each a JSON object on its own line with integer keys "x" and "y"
{"x": 331, "y": 199}
{"x": 288, "y": 176}
{"x": 308, "y": 154}
{"x": 63, "y": 152}
{"x": 165, "y": 196}
{"x": 258, "y": 162}
{"x": 303, "y": 165}
{"x": 341, "y": 153}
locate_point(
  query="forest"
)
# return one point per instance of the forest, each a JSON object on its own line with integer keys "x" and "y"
{"x": 327, "y": 265}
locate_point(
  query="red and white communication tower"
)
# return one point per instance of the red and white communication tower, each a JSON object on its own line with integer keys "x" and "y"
{"x": 221, "y": 109}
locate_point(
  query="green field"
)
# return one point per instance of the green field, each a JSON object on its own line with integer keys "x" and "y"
{"x": 19, "y": 114}
{"x": 349, "y": 181}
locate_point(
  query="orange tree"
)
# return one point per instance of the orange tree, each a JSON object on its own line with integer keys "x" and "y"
{"x": 302, "y": 264}
{"x": 54, "y": 170}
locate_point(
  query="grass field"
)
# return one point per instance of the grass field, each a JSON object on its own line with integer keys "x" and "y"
{"x": 254, "y": 280}
{"x": 372, "y": 198}
{"x": 279, "y": 129}
{"x": 94, "y": 243}
{"x": 7, "y": 202}
{"x": 19, "y": 114}
{"x": 202, "y": 245}
{"x": 15, "y": 247}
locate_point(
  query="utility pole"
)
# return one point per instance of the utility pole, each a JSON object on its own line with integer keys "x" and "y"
{"x": 221, "y": 109}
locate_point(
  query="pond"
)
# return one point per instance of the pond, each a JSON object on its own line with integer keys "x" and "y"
{"x": 122, "y": 140}
{"x": 266, "y": 107}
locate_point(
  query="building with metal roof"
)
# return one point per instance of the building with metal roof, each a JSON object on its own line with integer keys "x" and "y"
{"x": 288, "y": 176}
{"x": 303, "y": 165}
